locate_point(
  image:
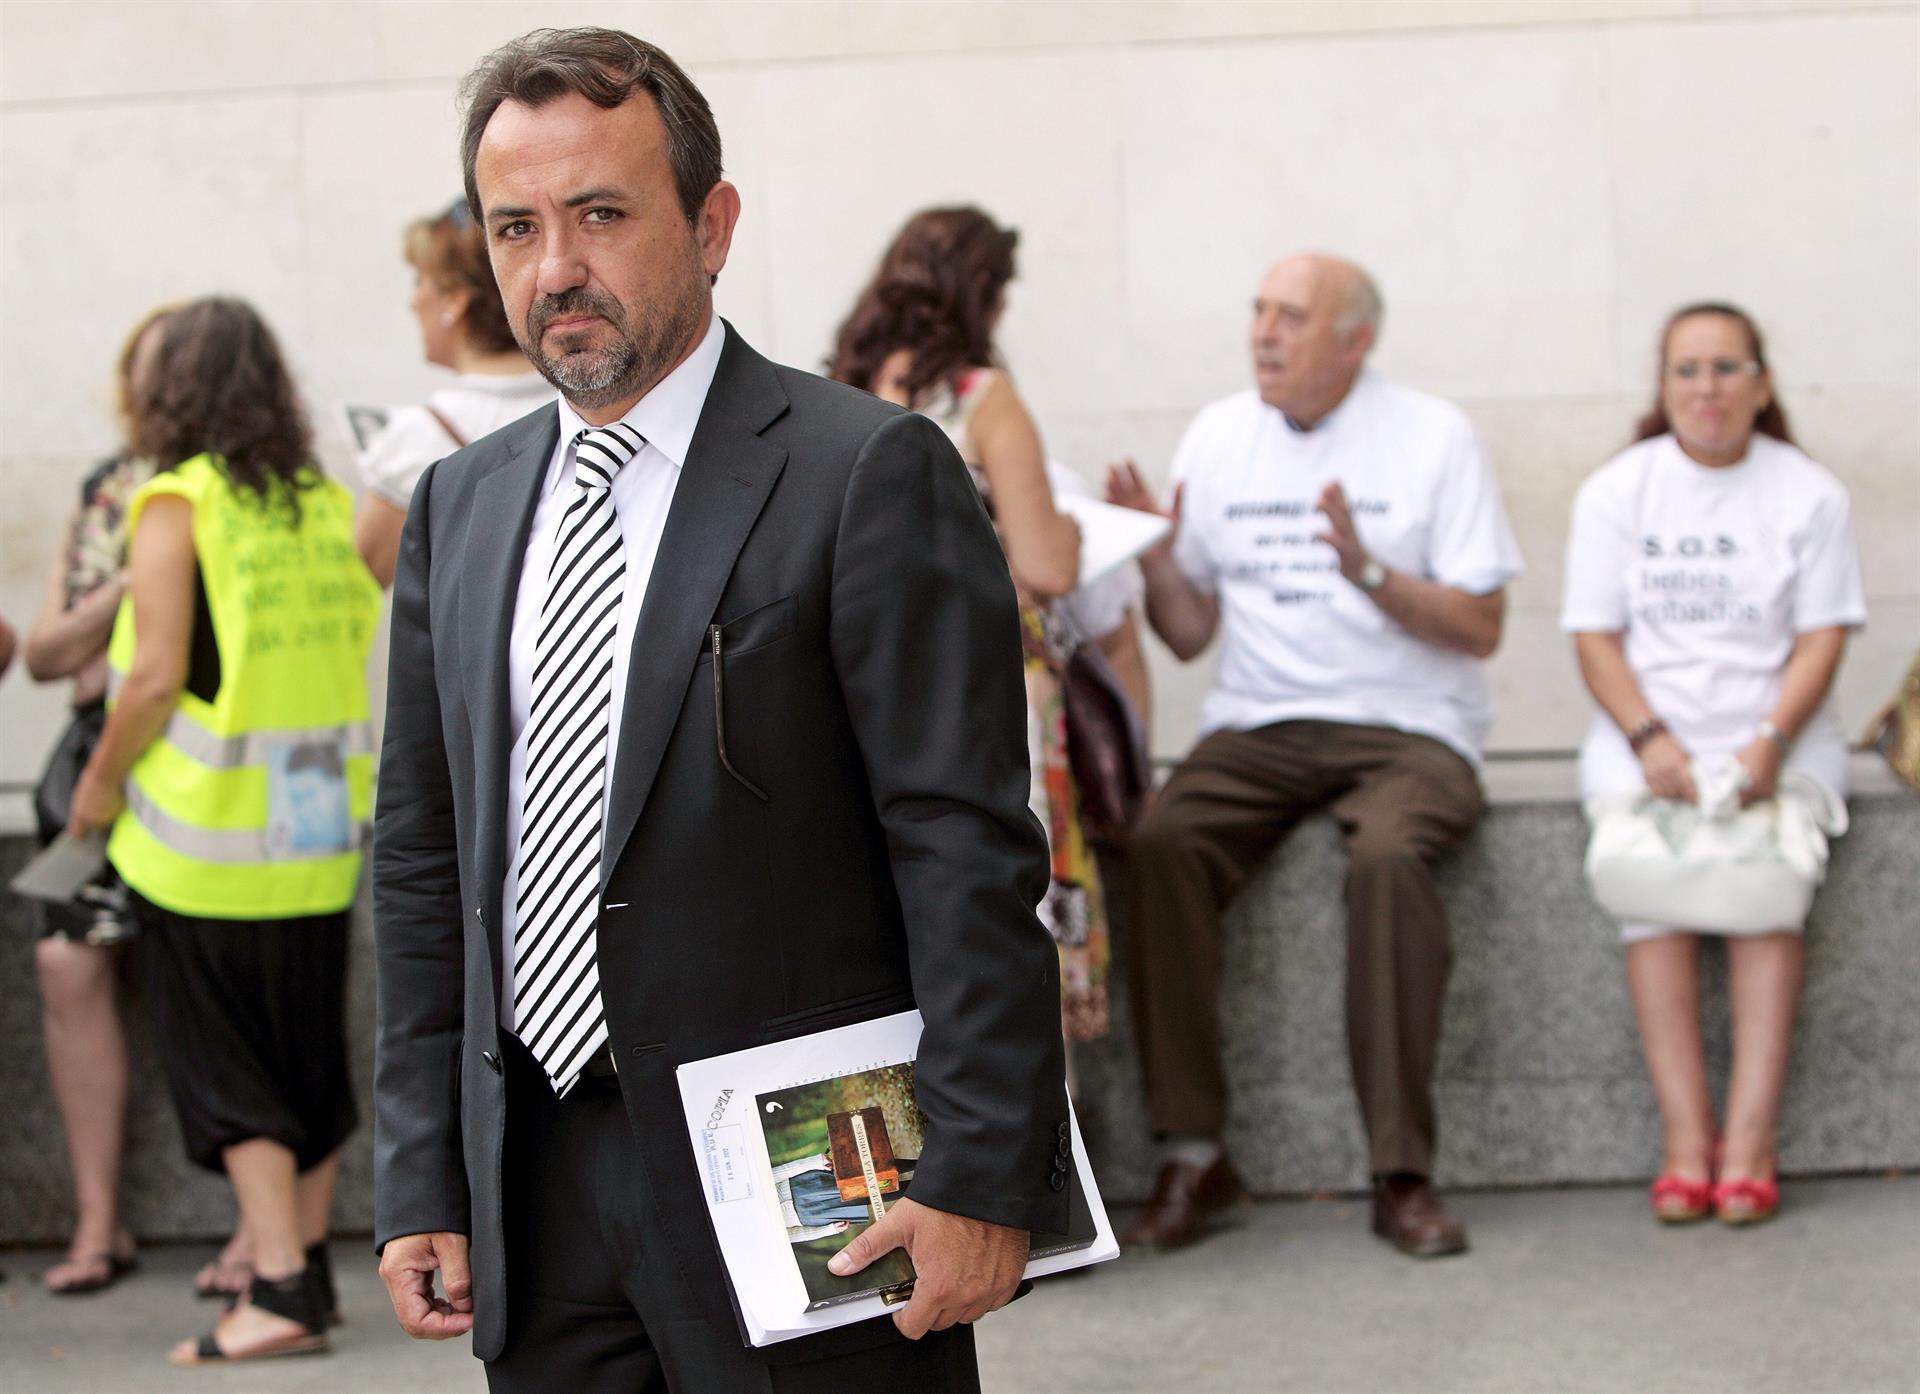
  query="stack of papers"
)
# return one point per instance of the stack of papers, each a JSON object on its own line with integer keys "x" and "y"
{"x": 801, "y": 1145}
{"x": 1110, "y": 536}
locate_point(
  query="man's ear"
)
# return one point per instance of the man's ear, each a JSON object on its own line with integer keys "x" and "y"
{"x": 714, "y": 226}
{"x": 1360, "y": 341}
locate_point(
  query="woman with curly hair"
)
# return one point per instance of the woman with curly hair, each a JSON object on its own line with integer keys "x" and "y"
{"x": 234, "y": 775}
{"x": 921, "y": 335}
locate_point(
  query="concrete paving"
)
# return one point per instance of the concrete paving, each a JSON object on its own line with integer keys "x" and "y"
{"x": 1575, "y": 1291}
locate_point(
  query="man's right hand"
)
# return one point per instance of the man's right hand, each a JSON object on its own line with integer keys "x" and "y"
{"x": 1127, "y": 489}
{"x": 407, "y": 1266}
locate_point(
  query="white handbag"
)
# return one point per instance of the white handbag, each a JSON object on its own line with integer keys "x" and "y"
{"x": 1713, "y": 865}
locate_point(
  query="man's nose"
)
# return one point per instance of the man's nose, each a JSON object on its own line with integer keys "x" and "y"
{"x": 562, "y": 268}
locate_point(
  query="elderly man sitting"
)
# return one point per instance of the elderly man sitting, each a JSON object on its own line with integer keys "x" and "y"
{"x": 1345, "y": 536}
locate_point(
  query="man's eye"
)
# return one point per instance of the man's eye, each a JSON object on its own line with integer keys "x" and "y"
{"x": 516, "y": 229}
{"x": 603, "y": 215}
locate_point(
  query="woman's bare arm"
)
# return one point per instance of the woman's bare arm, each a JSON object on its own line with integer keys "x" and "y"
{"x": 162, "y": 571}
{"x": 376, "y": 532}
{"x": 1603, "y": 666}
{"x": 1041, "y": 542}
{"x": 61, "y": 641}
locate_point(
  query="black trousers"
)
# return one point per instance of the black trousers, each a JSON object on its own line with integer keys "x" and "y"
{"x": 595, "y": 1305}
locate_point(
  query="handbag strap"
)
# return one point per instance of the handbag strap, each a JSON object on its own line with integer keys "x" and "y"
{"x": 459, "y": 441}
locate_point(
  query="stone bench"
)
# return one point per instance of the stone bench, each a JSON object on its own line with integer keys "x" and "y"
{"x": 1540, "y": 1079}
{"x": 1540, "y": 1076}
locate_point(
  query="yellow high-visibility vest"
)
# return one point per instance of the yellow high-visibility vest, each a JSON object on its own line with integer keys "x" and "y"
{"x": 255, "y": 805}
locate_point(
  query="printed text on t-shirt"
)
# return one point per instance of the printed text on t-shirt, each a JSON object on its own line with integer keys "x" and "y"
{"x": 1287, "y": 556}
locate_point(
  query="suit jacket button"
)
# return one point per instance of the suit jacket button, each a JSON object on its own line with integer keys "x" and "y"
{"x": 1063, "y": 1132}
{"x": 1061, "y": 1158}
{"x": 493, "y": 1061}
{"x": 1058, "y": 1181}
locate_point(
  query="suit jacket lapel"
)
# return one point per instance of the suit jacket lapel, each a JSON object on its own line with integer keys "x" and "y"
{"x": 497, "y": 530}
{"x": 729, "y": 472}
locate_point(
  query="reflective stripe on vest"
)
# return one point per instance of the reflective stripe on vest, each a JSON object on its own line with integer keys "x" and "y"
{"x": 227, "y": 846}
{"x": 199, "y": 744}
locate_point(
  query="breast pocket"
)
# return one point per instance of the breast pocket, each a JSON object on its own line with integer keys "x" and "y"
{"x": 756, "y": 629}
{"x": 726, "y": 643}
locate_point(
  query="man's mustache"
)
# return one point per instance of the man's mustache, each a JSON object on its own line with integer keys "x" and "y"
{"x": 578, "y": 301}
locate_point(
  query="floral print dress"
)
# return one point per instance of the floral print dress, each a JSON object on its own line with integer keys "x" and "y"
{"x": 1074, "y": 911}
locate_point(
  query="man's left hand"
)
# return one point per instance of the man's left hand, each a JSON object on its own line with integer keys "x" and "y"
{"x": 1341, "y": 535}
{"x": 963, "y": 1268}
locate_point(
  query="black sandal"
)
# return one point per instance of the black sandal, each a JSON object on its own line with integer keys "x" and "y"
{"x": 320, "y": 1274}
{"x": 294, "y": 1298}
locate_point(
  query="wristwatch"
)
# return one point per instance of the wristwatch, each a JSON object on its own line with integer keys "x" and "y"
{"x": 1372, "y": 576}
{"x": 1774, "y": 734}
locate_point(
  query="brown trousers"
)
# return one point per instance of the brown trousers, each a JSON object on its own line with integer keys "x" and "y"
{"x": 1400, "y": 799}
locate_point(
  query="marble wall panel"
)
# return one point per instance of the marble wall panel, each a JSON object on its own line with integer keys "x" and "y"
{"x": 1469, "y": 176}
{"x": 1742, "y": 170}
{"x": 1509, "y": 167}
{"x": 112, "y": 209}
{"x": 881, "y": 142}
{"x": 143, "y": 46}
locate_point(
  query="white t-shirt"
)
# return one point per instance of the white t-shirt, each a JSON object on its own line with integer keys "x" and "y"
{"x": 477, "y": 404}
{"x": 1298, "y": 640}
{"x": 1711, "y": 574}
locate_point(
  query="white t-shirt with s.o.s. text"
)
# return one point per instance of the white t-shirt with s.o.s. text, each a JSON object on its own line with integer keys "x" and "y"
{"x": 1298, "y": 640}
{"x": 1711, "y": 573}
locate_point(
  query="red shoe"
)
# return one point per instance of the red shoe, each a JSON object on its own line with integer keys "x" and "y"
{"x": 1746, "y": 1201}
{"x": 1679, "y": 1201}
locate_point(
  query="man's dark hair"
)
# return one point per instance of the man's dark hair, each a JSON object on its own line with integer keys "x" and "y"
{"x": 606, "y": 67}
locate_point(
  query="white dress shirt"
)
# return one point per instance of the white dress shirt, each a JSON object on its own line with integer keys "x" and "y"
{"x": 642, "y": 494}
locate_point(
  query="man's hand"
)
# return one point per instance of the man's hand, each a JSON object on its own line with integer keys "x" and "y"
{"x": 1126, "y": 489}
{"x": 1341, "y": 534}
{"x": 963, "y": 1268}
{"x": 407, "y": 1267}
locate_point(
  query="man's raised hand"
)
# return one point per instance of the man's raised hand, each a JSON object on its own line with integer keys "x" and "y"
{"x": 407, "y": 1266}
{"x": 1126, "y": 488}
{"x": 963, "y": 1268}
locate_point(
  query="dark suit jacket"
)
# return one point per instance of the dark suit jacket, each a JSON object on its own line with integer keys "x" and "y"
{"x": 869, "y": 849}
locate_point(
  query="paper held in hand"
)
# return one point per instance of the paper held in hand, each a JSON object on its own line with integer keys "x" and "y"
{"x": 1110, "y": 536}
{"x": 801, "y": 1145}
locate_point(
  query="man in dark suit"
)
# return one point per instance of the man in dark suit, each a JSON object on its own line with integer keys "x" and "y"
{"x": 705, "y": 729}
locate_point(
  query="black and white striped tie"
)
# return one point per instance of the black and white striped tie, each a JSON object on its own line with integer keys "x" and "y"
{"x": 556, "y": 971}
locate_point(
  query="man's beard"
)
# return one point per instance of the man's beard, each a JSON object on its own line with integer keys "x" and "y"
{"x": 638, "y": 356}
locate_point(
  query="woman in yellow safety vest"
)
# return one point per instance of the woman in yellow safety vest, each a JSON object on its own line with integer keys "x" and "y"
{"x": 234, "y": 776}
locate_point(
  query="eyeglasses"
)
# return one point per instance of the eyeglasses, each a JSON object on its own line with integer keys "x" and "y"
{"x": 1721, "y": 369}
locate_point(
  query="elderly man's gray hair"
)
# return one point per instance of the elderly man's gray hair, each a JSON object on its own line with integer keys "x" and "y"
{"x": 1364, "y": 305}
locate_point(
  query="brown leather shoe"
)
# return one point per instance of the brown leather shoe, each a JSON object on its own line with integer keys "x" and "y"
{"x": 1409, "y": 1216}
{"x": 1183, "y": 1197}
